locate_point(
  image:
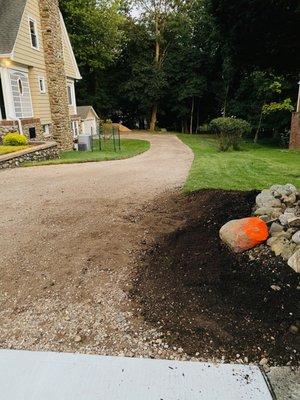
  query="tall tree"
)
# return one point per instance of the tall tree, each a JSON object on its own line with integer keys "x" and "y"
{"x": 156, "y": 15}
{"x": 95, "y": 28}
{"x": 260, "y": 34}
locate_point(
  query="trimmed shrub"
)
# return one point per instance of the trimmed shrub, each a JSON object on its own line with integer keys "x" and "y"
{"x": 14, "y": 139}
{"x": 230, "y": 132}
{"x": 282, "y": 139}
{"x": 204, "y": 129}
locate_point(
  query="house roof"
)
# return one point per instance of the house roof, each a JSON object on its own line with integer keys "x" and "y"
{"x": 10, "y": 19}
{"x": 83, "y": 111}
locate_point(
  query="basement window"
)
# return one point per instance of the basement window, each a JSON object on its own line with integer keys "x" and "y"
{"x": 32, "y": 133}
{"x": 46, "y": 130}
{"x": 33, "y": 34}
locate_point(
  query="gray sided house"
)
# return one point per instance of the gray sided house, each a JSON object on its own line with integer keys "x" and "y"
{"x": 89, "y": 120}
{"x": 38, "y": 72}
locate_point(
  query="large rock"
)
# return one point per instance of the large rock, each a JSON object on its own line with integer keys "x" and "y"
{"x": 289, "y": 215}
{"x": 289, "y": 200}
{"x": 296, "y": 237}
{"x": 294, "y": 261}
{"x": 272, "y": 212}
{"x": 275, "y": 229}
{"x": 280, "y": 191}
{"x": 266, "y": 199}
{"x": 294, "y": 222}
{"x": 244, "y": 234}
{"x": 280, "y": 245}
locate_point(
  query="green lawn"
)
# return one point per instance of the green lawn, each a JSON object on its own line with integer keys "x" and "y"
{"x": 129, "y": 148}
{"x": 254, "y": 167}
{"x": 10, "y": 149}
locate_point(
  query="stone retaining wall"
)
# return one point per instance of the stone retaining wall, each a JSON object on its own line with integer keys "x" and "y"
{"x": 41, "y": 152}
{"x": 7, "y": 126}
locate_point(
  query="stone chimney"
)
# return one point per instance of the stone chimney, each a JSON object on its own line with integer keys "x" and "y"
{"x": 56, "y": 78}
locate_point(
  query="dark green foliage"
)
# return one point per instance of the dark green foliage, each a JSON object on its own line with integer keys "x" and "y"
{"x": 230, "y": 132}
{"x": 261, "y": 34}
{"x": 225, "y": 58}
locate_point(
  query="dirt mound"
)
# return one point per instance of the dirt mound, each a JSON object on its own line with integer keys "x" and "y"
{"x": 122, "y": 128}
{"x": 208, "y": 300}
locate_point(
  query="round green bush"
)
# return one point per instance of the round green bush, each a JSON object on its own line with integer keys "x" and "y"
{"x": 230, "y": 131}
{"x": 14, "y": 139}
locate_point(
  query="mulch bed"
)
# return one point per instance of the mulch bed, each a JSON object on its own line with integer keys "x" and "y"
{"x": 211, "y": 302}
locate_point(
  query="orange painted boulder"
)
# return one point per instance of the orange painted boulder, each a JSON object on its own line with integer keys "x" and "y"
{"x": 244, "y": 234}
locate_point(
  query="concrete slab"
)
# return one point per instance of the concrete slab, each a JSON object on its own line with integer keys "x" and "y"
{"x": 56, "y": 376}
{"x": 285, "y": 382}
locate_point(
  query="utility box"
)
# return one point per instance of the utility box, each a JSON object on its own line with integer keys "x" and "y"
{"x": 85, "y": 143}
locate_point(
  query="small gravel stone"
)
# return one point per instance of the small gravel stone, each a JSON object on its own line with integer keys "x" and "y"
{"x": 294, "y": 329}
{"x": 264, "y": 361}
{"x": 276, "y": 288}
{"x": 78, "y": 338}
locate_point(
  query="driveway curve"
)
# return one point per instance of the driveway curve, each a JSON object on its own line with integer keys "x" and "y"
{"x": 68, "y": 235}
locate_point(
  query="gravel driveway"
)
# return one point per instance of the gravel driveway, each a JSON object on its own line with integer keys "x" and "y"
{"x": 68, "y": 238}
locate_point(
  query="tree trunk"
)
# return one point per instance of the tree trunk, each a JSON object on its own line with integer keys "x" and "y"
{"x": 198, "y": 117}
{"x": 192, "y": 115}
{"x": 258, "y": 128}
{"x": 157, "y": 57}
{"x": 186, "y": 126}
{"x": 259, "y": 123}
{"x": 153, "y": 118}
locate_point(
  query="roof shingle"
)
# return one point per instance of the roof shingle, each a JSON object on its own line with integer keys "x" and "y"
{"x": 11, "y": 12}
{"x": 82, "y": 111}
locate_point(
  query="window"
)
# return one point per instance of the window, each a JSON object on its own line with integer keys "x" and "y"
{"x": 21, "y": 97}
{"x": 32, "y": 133}
{"x": 33, "y": 34}
{"x": 42, "y": 85}
{"x": 46, "y": 130}
{"x": 75, "y": 128}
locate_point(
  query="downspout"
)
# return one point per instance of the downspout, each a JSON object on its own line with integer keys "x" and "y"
{"x": 20, "y": 126}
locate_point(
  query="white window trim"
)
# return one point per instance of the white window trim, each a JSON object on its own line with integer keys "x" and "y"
{"x": 30, "y": 19}
{"x": 72, "y": 91}
{"x": 71, "y": 85}
{"x": 42, "y": 79}
{"x": 46, "y": 130}
{"x": 75, "y": 128}
{"x": 7, "y": 94}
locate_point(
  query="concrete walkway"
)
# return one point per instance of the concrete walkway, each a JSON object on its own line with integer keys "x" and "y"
{"x": 52, "y": 376}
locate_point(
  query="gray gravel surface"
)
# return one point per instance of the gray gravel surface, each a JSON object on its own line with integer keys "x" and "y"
{"x": 68, "y": 238}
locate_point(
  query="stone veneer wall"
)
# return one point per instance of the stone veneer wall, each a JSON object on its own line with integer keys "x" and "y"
{"x": 56, "y": 78}
{"x": 12, "y": 126}
{"x": 41, "y": 152}
{"x": 295, "y": 131}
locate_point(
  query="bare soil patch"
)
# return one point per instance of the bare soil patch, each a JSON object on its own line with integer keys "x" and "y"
{"x": 211, "y": 302}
